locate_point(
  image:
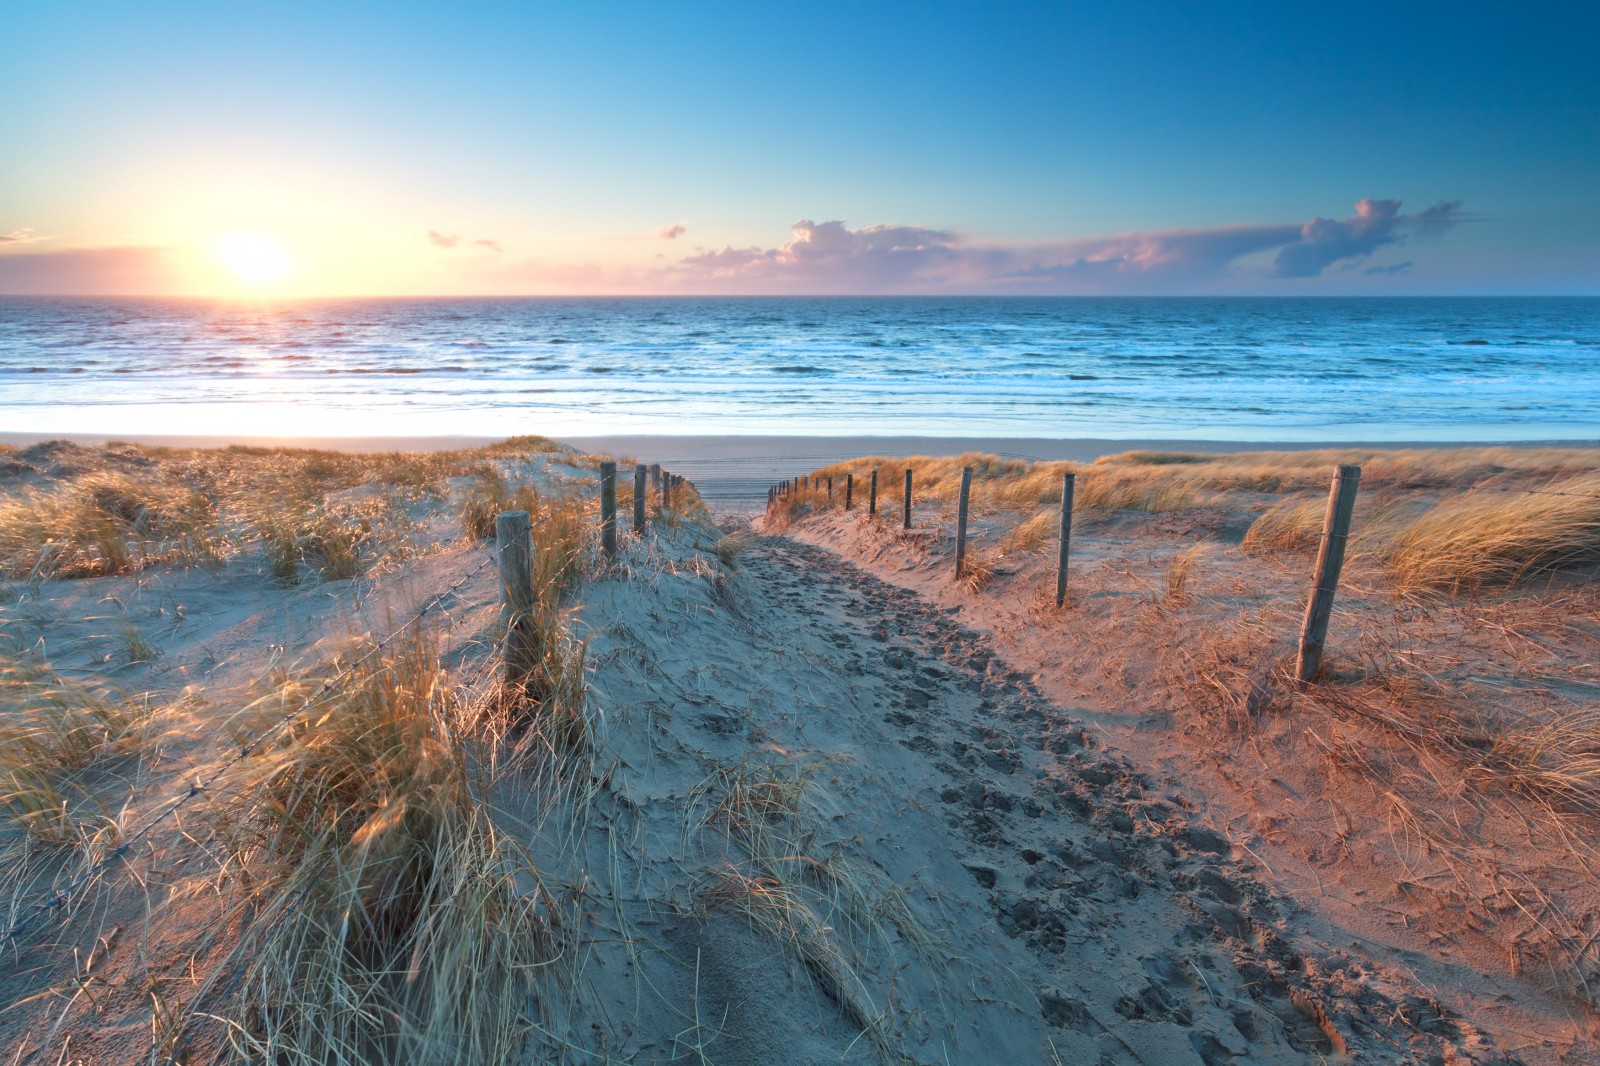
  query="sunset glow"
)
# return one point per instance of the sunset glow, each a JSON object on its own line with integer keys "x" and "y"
{"x": 1005, "y": 152}
{"x": 254, "y": 258}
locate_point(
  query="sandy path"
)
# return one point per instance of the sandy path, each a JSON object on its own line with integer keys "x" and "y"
{"x": 1066, "y": 907}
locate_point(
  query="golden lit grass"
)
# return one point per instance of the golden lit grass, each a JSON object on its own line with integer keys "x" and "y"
{"x": 53, "y": 732}
{"x": 1447, "y": 519}
{"x": 1293, "y": 524}
{"x": 375, "y": 907}
{"x": 729, "y": 548}
{"x": 104, "y": 522}
{"x": 1031, "y": 534}
{"x": 489, "y": 494}
{"x": 1179, "y": 570}
{"x": 384, "y": 919}
{"x": 74, "y": 511}
{"x": 1500, "y": 538}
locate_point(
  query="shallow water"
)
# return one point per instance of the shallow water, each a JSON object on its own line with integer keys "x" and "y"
{"x": 1241, "y": 369}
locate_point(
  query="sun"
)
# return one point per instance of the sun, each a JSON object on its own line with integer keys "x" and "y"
{"x": 255, "y": 258}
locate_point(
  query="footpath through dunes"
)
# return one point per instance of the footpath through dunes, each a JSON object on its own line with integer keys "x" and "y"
{"x": 895, "y": 848}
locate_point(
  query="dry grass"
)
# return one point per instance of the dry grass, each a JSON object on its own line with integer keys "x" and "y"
{"x": 73, "y": 511}
{"x": 1500, "y": 538}
{"x": 104, "y": 522}
{"x": 384, "y": 921}
{"x": 1290, "y": 525}
{"x": 348, "y": 893}
{"x": 1456, "y": 520}
{"x": 1031, "y": 534}
{"x": 1179, "y": 569}
{"x": 836, "y": 916}
{"x": 1456, "y": 715}
{"x": 54, "y": 733}
{"x": 978, "y": 570}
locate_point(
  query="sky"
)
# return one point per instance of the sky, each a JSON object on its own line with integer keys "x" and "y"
{"x": 701, "y": 148}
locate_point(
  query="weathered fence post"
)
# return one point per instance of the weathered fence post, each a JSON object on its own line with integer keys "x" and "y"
{"x": 872, "y": 495}
{"x": 1330, "y": 561}
{"x": 655, "y": 476}
{"x": 849, "y": 490}
{"x": 666, "y": 490}
{"x": 961, "y": 518}
{"x": 1067, "y": 485}
{"x": 514, "y": 542}
{"x": 908, "y": 498}
{"x": 608, "y": 507}
{"x": 830, "y": 488}
{"x": 638, "y": 499}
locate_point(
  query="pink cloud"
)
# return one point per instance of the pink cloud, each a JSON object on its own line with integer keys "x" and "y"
{"x": 831, "y": 257}
{"x": 453, "y": 240}
{"x": 92, "y": 272}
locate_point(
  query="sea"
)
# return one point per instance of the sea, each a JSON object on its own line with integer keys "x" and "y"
{"x": 1240, "y": 369}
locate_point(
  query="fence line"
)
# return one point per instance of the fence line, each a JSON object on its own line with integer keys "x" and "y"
{"x": 1325, "y": 580}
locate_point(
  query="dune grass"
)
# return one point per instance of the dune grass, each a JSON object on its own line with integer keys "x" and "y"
{"x": 1471, "y": 541}
{"x": 372, "y": 903}
{"x": 1457, "y": 700}
{"x": 69, "y": 510}
{"x": 1444, "y": 520}
{"x": 385, "y": 921}
{"x": 54, "y": 732}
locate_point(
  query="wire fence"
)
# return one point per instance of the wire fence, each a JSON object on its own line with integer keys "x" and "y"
{"x": 59, "y": 897}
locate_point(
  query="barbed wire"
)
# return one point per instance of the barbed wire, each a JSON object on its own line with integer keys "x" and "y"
{"x": 61, "y": 896}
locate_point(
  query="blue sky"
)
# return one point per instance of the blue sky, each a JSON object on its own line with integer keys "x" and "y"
{"x": 1134, "y": 147}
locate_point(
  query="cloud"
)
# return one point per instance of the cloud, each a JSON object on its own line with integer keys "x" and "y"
{"x": 1377, "y": 223}
{"x": 1179, "y": 255}
{"x": 1438, "y": 218}
{"x": 19, "y": 236}
{"x": 93, "y": 272}
{"x": 829, "y": 256}
{"x": 454, "y": 240}
{"x": 1397, "y": 268}
{"x": 672, "y": 232}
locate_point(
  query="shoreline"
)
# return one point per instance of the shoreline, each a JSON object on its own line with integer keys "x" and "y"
{"x": 703, "y": 446}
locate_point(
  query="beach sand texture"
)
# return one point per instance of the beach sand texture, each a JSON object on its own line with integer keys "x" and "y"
{"x": 828, "y": 804}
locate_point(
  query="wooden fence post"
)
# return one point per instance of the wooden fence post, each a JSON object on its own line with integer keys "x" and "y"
{"x": 608, "y": 507}
{"x": 513, "y": 540}
{"x": 908, "y": 498}
{"x": 655, "y": 476}
{"x": 849, "y": 490}
{"x": 638, "y": 499}
{"x": 961, "y": 519}
{"x": 830, "y": 488}
{"x": 1330, "y": 561}
{"x": 1067, "y": 485}
{"x": 666, "y": 490}
{"x": 872, "y": 494}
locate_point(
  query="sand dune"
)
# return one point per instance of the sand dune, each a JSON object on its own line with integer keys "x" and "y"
{"x": 825, "y": 804}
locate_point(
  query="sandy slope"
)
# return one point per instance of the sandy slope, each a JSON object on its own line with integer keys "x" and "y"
{"x": 1347, "y": 872}
{"x": 1046, "y": 899}
{"x": 821, "y": 818}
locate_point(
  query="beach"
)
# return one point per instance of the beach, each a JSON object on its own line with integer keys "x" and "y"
{"x": 786, "y": 788}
